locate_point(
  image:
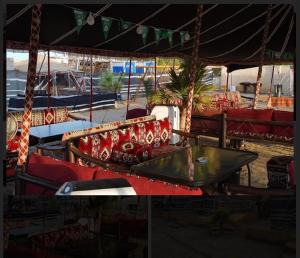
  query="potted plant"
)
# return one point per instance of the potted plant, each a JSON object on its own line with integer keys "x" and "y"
{"x": 178, "y": 88}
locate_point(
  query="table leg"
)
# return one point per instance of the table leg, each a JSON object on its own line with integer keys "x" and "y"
{"x": 40, "y": 151}
{"x": 249, "y": 174}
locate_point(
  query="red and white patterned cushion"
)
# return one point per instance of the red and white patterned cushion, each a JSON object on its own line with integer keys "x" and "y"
{"x": 157, "y": 133}
{"x": 131, "y": 152}
{"x": 97, "y": 146}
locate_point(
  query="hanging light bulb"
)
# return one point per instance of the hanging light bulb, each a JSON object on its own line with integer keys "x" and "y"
{"x": 187, "y": 36}
{"x": 90, "y": 19}
{"x": 140, "y": 29}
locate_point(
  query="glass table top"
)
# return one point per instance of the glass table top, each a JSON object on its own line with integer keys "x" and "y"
{"x": 45, "y": 131}
{"x": 182, "y": 167}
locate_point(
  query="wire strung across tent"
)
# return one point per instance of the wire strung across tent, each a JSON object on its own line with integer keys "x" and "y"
{"x": 234, "y": 29}
{"x": 180, "y": 27}
{"x": 270, "y": 37}
{"x": 19, "y": 14}
{"x": 134, "y": 26}
{"x": 218, "y": 24}
{"x": 251, "y": 37}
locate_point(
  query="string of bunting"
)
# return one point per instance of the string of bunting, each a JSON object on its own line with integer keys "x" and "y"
{"x": 276, "y": 55}
{"x": 82, "y": 18}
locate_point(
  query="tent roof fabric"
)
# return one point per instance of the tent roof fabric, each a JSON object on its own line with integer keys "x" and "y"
{"x": 237, "y": 24}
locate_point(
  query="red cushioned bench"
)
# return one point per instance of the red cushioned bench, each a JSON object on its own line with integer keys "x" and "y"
{"x": 262, "y": 124}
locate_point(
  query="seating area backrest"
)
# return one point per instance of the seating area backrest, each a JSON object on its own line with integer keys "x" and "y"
{"x": 282, "y": 132}
{"x": 44, "y": 116}
{"x": 100, "y": 145}
{"x": 246, "y": 129}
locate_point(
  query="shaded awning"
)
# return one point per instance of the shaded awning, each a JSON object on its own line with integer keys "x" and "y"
{"x": 231, "y": 34}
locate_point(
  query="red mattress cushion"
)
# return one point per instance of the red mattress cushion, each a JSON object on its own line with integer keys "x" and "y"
{"x": 56, "y": 171}
{"x": 145, "y": 186}
{"x": 283, "y": 131}
{"x": 240, "y": 128}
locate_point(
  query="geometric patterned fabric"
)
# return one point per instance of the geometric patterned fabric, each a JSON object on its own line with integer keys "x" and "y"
{"x": 148, "y": 135}
{"x": 45, "y": 116}
{"x": 131, "y": 152}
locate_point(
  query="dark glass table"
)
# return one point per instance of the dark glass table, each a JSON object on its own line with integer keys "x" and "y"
{"x": 181, "y": 167}
{"x": 44, "y": 132}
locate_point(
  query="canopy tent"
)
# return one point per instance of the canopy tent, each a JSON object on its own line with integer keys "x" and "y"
{"x": 230, "y": 34}
{"x": 224, "y": 34}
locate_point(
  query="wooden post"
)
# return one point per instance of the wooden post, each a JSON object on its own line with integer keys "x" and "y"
{"x": 155, "y": 74}
{"x": 222, "y": 139}
{"x": 128, "y": 91}
{"x": 33, "y": 54}
{"x": 49, "y": 78}
{"x": 195, "y": 56}
{"x": 262, "y": 55}
{"x": 91, "y": 91}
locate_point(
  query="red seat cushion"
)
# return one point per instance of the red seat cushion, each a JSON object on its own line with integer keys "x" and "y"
{"x": 146, "y": 186}
{"x": 131, "y": 152}
{"x": 283, "y": 131}
{"x": 246, "y": 129}
{"x": 56, "y": 171}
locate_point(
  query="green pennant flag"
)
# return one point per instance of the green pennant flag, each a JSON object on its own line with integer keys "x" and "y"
{"x": 182, "y": 36}
{"x": 145, "y": 34}
{"x": 106, "y": 24}
{"x": 80, "y": 18}
{"x": 170, "y": 37}
{"x": 158, "y": 35}
{"x": 124, "y": 25}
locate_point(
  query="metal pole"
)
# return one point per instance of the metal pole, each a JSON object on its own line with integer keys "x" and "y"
{"x": 91, "y": 90}
{"x": 128, "y": 92}
{"x": 226, "y": 87}
{"x": 49, "y": 77}
{"x": 262, "y": 55}
{"x": 33, "y": 54}
{"x": 155, "y": 74}
{"x": 195, "y": 58}
{"x": 270, "y": 89}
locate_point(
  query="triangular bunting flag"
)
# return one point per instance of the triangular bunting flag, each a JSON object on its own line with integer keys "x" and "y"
{"x": 106, "y": 24}
{"x": 182, "y": 36}
{"x": 124, "y": 25}
{"x": 80, "y": 18}
{"x": 145, "y": 31}
{"x": 170, "y": 37}
{"x": 157, "y": 32}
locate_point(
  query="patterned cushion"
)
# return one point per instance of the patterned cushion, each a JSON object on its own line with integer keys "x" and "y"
{"x": 97, "y": 146}
{"x": 157, "y": 133}
{"x": 131, "y": 153}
